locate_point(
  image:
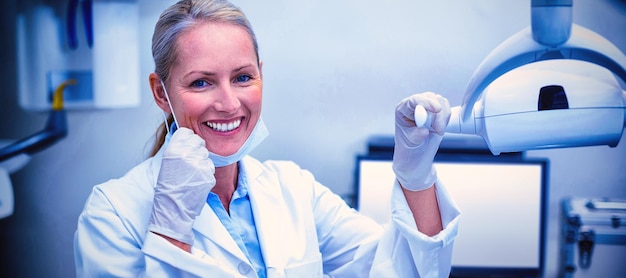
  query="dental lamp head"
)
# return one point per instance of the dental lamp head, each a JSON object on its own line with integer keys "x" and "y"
{"x": 552, "y": 85}
{"x": 548, "y": 104}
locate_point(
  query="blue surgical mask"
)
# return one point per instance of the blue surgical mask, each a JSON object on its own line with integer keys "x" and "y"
{"x": 258, "y": 134}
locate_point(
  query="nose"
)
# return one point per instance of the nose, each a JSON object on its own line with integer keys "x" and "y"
{"x": 227, "y": 100}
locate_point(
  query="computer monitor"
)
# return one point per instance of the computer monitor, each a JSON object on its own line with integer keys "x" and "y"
{"x": 502, "y": 202}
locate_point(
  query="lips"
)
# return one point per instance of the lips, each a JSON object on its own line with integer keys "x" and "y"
{"x": 224, "y": 127}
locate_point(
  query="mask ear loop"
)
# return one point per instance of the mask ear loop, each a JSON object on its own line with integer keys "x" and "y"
{"x": 169, "y": 103}
{"x": 167, "y": 127}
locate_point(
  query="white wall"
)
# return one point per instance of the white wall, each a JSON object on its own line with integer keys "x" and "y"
{"x": 333, "y": 72}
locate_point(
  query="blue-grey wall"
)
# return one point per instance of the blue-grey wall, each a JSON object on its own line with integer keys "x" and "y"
{"x": 333, "y": 72}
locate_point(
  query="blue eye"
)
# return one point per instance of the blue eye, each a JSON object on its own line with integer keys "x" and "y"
{"x": 243, "y": 78}
{"x": 199, "y": 83}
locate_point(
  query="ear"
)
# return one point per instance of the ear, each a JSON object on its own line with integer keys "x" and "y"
{"x": 158, "y": 92}
{"x": 261, "y": 68}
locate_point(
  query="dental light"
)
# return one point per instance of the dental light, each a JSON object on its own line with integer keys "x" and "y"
{"x": 552, "y": 85}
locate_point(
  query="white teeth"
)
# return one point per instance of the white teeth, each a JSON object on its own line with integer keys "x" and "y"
{"x": 224, "y": 127}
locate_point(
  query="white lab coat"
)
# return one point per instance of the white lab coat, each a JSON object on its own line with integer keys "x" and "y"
{"x": 304, "y": 231}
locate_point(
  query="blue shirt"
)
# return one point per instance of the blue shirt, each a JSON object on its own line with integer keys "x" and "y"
{"x": 240, "y": 223}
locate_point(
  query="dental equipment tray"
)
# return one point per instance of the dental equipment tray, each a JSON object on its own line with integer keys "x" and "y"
{"x": 593, "y": 237}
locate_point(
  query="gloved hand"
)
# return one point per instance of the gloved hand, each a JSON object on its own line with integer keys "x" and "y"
{"x": 185, "y": 180}
{"x": 415, "y": 148}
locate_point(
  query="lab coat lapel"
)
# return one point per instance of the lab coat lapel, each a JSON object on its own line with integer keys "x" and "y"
{"x": 210, "y": 226}
{"x": 270, "y": 217}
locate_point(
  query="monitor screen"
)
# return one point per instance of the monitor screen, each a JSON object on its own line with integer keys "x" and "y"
{"x": 502, "y": 204}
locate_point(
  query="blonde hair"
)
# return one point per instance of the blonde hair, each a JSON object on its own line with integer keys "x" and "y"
{"x": 177, "y": 19}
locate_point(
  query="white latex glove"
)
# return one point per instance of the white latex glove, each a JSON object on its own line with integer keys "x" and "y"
{"x": 185, "y": 180}
{"x": 415, "y": 148}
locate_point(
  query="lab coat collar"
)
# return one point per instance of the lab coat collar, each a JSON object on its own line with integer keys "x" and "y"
{"x": 270, "y": 214}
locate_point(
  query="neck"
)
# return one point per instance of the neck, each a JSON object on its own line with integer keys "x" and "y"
{"x": 226, "y": 183}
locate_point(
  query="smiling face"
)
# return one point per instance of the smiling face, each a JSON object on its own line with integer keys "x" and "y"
{"x": 215, "y": 85}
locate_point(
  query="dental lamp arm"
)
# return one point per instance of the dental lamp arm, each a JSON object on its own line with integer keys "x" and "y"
{"x": 551, "y": 21}
{"x": 56, "y": 129}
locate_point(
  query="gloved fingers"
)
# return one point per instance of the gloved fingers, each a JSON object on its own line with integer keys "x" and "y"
{"x": 185, "y": 143}
{"x": 429, "y": 100}
{"x": 186, "y": 136}
{"x": 183, "y": 132}
{"x": 406, "y": 108}
{"x": 438, "y": 109}
{"x": 176, "y": 172}
{"x": 442, "y": 117}
{"x": 186, "y": 159}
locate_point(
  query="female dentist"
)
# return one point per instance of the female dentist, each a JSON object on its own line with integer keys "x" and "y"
{"x": 200, "y": 207}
